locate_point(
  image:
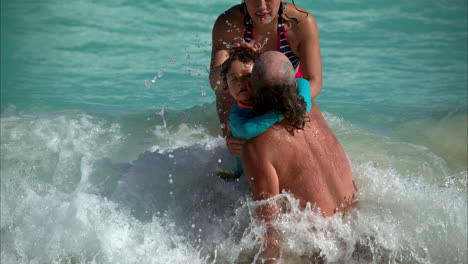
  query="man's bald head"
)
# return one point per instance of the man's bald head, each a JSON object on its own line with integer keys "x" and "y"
{"x": 272, "y": 68}
{"x": 273, "y": 81}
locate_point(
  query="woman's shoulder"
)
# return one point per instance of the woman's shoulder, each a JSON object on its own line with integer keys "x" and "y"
{"x": 228, "y": 26}
{"x": 232, "y": 16}
{"x": 299, "y": 16}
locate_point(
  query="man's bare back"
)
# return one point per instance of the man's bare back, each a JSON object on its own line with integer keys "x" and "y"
{"x": 309, "y": 163}
{"x": 300, "y": 154}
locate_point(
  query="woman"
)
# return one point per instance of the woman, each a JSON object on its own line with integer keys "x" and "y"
{"x": 264, "y": 25}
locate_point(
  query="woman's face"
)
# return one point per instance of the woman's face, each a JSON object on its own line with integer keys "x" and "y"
{"x": 263, "y": 11}
{"x": 238, "y": 81}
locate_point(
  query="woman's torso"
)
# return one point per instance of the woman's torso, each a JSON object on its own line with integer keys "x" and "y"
{"x": 267, "y": 40}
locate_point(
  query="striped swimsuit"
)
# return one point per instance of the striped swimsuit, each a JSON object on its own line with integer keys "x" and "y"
{"x": 283, "y": 43}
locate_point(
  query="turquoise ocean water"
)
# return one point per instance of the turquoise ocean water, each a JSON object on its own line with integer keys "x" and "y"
{"x": 109, "y": 137}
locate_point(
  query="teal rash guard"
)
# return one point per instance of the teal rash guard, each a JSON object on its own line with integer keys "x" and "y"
{"x": 246, "y": 126}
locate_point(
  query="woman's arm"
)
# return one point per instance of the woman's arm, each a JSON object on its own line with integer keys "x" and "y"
{"x": 309, "y": 50}
{"x": 219, "y": 54}
{"x": 227, "y": 36}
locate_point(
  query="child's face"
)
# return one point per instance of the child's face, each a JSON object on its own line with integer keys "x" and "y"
{"x": 238, "y": 81}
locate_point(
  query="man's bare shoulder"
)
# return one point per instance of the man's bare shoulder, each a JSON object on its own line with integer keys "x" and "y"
{"x": 269, "y": 140}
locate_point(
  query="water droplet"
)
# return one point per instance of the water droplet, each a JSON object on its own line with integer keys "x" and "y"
{"x": 171, "y": 156}
{"x": 171, "y": 181}
{"x": 147, "y": 84}
{"x": 203, "y": 93}
{"x": 170, "y": 175}
{"x": 220, "y": 160}
{"x": 161, "y": 113}
{"x": 193, "y": 225}
{"x": 170, "y": 193}
{"x": 193, "y": 73}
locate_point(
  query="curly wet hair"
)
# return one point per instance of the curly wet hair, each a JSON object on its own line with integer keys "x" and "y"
{"x": 281, "y": 97}
{"x": 244, "y": 56}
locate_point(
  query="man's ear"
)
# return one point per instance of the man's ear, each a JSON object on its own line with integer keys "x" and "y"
{"x": 295, "y": 85}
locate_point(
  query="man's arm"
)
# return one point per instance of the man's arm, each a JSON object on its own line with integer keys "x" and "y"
{"x": 263, "y": 181}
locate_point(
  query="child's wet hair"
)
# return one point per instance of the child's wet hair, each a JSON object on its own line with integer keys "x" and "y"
{"x": 244, "y": 56}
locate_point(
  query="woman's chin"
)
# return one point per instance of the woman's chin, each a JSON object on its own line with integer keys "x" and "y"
{"x": 264, "y": 21}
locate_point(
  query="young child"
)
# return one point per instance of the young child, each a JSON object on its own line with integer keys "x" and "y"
{"x": 236, "y": 71}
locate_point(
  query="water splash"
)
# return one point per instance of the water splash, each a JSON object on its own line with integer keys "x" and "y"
{"x": 192, "y": 70}
{"x": 148, "y": 84}
{"x": 161, "y": 113}
{"x": 265, "y": 41}
{"x": 161, "y": 72}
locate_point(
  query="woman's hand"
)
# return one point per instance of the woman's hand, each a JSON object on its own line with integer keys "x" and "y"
{"x": 242, "y": 45}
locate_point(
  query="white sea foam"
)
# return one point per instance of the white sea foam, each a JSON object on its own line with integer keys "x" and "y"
{"x": 66, "y": 199}
{"x": 207, "y": 220}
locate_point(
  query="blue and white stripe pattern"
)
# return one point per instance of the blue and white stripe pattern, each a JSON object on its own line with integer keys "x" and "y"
{"x": 283, "y": 40}
{"x": 284, "y": 45}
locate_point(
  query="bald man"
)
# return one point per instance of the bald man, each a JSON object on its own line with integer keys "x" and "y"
{"x": 299, "y": 154}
